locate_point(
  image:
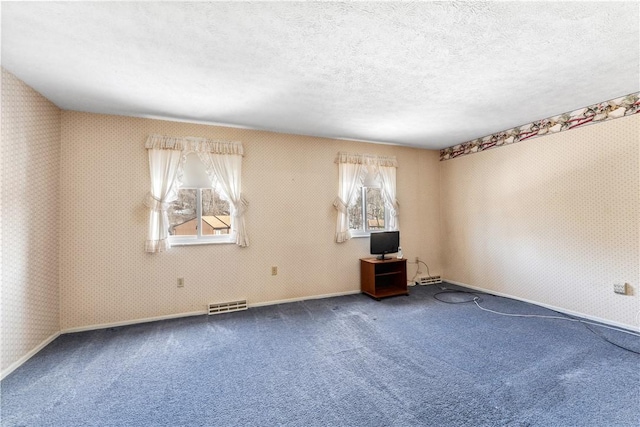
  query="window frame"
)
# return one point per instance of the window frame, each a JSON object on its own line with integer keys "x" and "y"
{"x": 199, "y": 238}
{"x": 365, "y": 231}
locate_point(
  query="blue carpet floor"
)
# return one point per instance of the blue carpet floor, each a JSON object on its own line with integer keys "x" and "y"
{"x": 344, "y": 361}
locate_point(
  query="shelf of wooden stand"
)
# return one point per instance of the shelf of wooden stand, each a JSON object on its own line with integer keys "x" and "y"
{"x": 383, "y": 278}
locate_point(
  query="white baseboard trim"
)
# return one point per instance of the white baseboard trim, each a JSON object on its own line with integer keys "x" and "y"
{"x": 131, "y": 322}
{"x": 298, "y": 299}
{"x": 195, "y": 313}
{"x": 15, "y": 365}
{"x": 44, "y": 343}
{"x": 631, "y": 328}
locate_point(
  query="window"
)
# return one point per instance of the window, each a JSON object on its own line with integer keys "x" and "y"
{"x": 194, "y": 179}
{"x": 366, "y": 198}
{"x": 368, "y": 212}
{"x": 200, "y": 214}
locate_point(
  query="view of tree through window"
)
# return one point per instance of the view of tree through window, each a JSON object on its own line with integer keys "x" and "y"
{"x": 183, "y": 213}
{"x": 371, "y": 203}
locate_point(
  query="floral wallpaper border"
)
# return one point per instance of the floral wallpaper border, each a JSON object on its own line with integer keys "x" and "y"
{"x": 613, "y": 109}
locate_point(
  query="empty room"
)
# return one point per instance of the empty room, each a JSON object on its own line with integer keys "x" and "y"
{"x": 320, "y": 214}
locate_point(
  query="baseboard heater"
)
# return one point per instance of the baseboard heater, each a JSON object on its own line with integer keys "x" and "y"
{"x": 429, "y": 280}
{"x": 227, "y": 307}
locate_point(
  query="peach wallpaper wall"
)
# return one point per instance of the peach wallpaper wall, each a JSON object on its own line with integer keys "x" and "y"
{"x": 553, "y": 220}
{"x": 290, "y": 182}
{"x": 30, "y": 192}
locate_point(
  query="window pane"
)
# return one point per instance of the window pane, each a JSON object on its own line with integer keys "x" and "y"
{"x": 355, "y": 213}
{"x": 183, "y": 214}
{"x": 375, "y": 209}
{"x": 216, "y": 217}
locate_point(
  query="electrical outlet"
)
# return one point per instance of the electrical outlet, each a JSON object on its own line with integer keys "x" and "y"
{"x": 181, "y": 282}
{"x": 620, "y": 288}
{"x": 274, "y": 270}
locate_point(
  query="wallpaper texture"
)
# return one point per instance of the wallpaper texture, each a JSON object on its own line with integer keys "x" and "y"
{"x": 30, "y": 192}
{"x": 553, "y": 220}
{"x": 290, "y": 183}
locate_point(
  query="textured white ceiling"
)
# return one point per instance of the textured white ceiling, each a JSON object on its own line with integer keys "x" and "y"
{"x": 424, "y": 74}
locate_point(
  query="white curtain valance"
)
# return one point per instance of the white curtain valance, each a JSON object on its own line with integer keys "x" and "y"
{"x": 193, "y": 144}
{"x": 366, "y": 159}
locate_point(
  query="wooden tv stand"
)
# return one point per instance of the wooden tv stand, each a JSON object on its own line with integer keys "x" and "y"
{"x": 383, "y": 278}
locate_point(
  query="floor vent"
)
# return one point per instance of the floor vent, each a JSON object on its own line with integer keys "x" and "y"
{"x": 429, "y": 280}
{"x": 227, "y": 307}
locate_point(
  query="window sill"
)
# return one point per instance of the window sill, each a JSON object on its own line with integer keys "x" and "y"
{"x": 199, "y": 242}
{"x": 359, "y": 235}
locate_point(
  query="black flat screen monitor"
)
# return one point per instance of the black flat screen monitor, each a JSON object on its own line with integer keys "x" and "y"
{"x": 384, "y": 242}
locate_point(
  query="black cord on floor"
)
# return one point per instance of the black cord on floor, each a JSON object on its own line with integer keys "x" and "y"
{"x": 476, "y": 298}
{"x": 455, "y": 291}
{"x": 600, "y": 335}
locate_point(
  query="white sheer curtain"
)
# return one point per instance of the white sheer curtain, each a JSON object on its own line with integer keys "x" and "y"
{"x": 387, "y": 174}
{"x": 350, "y": 170}
{"x": 165, "y": 162}
{"x": 223, "y": 161}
